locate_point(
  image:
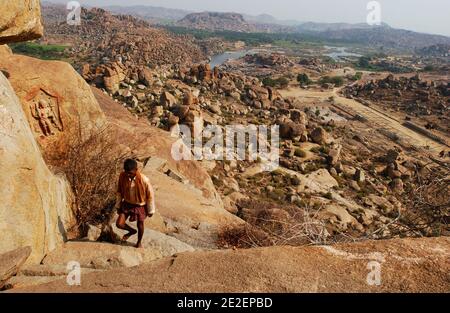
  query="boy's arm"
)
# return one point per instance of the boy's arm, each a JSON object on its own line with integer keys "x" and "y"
{"x": 119, "y": 193}
{"x": 151, "y": 208}
{"x": 118, "y": 201}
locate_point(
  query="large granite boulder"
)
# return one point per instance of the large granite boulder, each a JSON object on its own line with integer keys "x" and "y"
{"x": 20, "y": 20}
{"x": 35, "y": 209}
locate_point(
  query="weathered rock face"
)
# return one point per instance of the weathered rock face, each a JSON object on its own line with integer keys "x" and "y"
{"x": 167, "y": 100}
{"x": 20, "y": 21}
{"x": 113, "y": 75}
{"x": 35, "y": 208}
{"x": 54, "y": 97}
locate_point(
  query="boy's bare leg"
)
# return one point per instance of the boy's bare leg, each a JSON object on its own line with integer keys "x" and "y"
{"x": 121, "y": 224}
{"x": 141, "y": 229}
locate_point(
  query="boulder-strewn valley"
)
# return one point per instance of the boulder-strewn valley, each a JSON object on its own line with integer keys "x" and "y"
{"x": 364, "y": 152}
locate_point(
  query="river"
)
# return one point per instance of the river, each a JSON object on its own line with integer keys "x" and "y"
{"x": 217, "y": 60}
{"x": 220, "y": 59}
{"x": 337, "y": 53}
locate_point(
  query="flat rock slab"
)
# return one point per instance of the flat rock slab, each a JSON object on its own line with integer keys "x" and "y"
{"x": 34, "y": 275}
{"x": 18, "y": 282}
{"x": 11, "y": 262}
{"x": 166, "y": 245}
{"x": 98, "y": 255}
{"x": 48, "y": 270}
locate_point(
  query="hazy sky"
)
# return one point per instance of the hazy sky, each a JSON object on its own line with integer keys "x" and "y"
{"x": 430, "y": 16}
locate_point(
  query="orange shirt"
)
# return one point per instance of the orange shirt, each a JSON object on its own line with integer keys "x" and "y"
{"x": 132, "y": 195}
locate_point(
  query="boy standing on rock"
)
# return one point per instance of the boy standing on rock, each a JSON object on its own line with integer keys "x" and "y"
{"x": 135, "y": 200}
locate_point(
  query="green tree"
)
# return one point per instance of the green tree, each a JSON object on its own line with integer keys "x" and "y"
{"x": 357, "y": 76}
{"x": 364, "y": 62}
{"x": 338, "y": 81}
{"x": 303, "y": 79}
{"x": 281, "y": 82}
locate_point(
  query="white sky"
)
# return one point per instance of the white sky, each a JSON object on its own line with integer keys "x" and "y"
{"x": 429, "y": 16}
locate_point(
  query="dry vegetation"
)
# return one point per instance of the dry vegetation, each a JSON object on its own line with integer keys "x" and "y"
{"x": 271, "y": 226}
{"x": 429, "y": 205}
{"x": 91, "y": 162}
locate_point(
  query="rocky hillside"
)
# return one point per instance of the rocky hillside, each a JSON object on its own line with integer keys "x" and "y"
{"x": 157, "y": 15}
{"x": 410, "y": 95}
{"x": 24, "y": 135}
{"x": 439, "y": 50}
{"x": 235, "y": 22}
{"x": 386, "y": 37}
{"x": 216, "y": 21}
{"x": 103, "y": 36}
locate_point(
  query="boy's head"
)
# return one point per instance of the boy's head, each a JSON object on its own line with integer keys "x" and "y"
{"x": 130, "y": 167}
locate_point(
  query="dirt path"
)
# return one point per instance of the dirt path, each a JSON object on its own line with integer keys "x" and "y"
{"x": 377, "y": 118}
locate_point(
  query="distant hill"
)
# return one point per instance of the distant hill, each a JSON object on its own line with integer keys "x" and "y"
{"x": 323, "y": 27}
{"x": 53, "y": 13}
{"x": 216, "y": 21}
{"x": 381, "y": 36}
{"x": 150, "y": 13}
{"x": 439, "y": 50}
{"x": 269, "y": 19}
{"x": 261, "y": 19}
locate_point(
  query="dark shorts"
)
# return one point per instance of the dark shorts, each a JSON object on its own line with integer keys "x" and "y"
{"x": 133, "y": 212}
